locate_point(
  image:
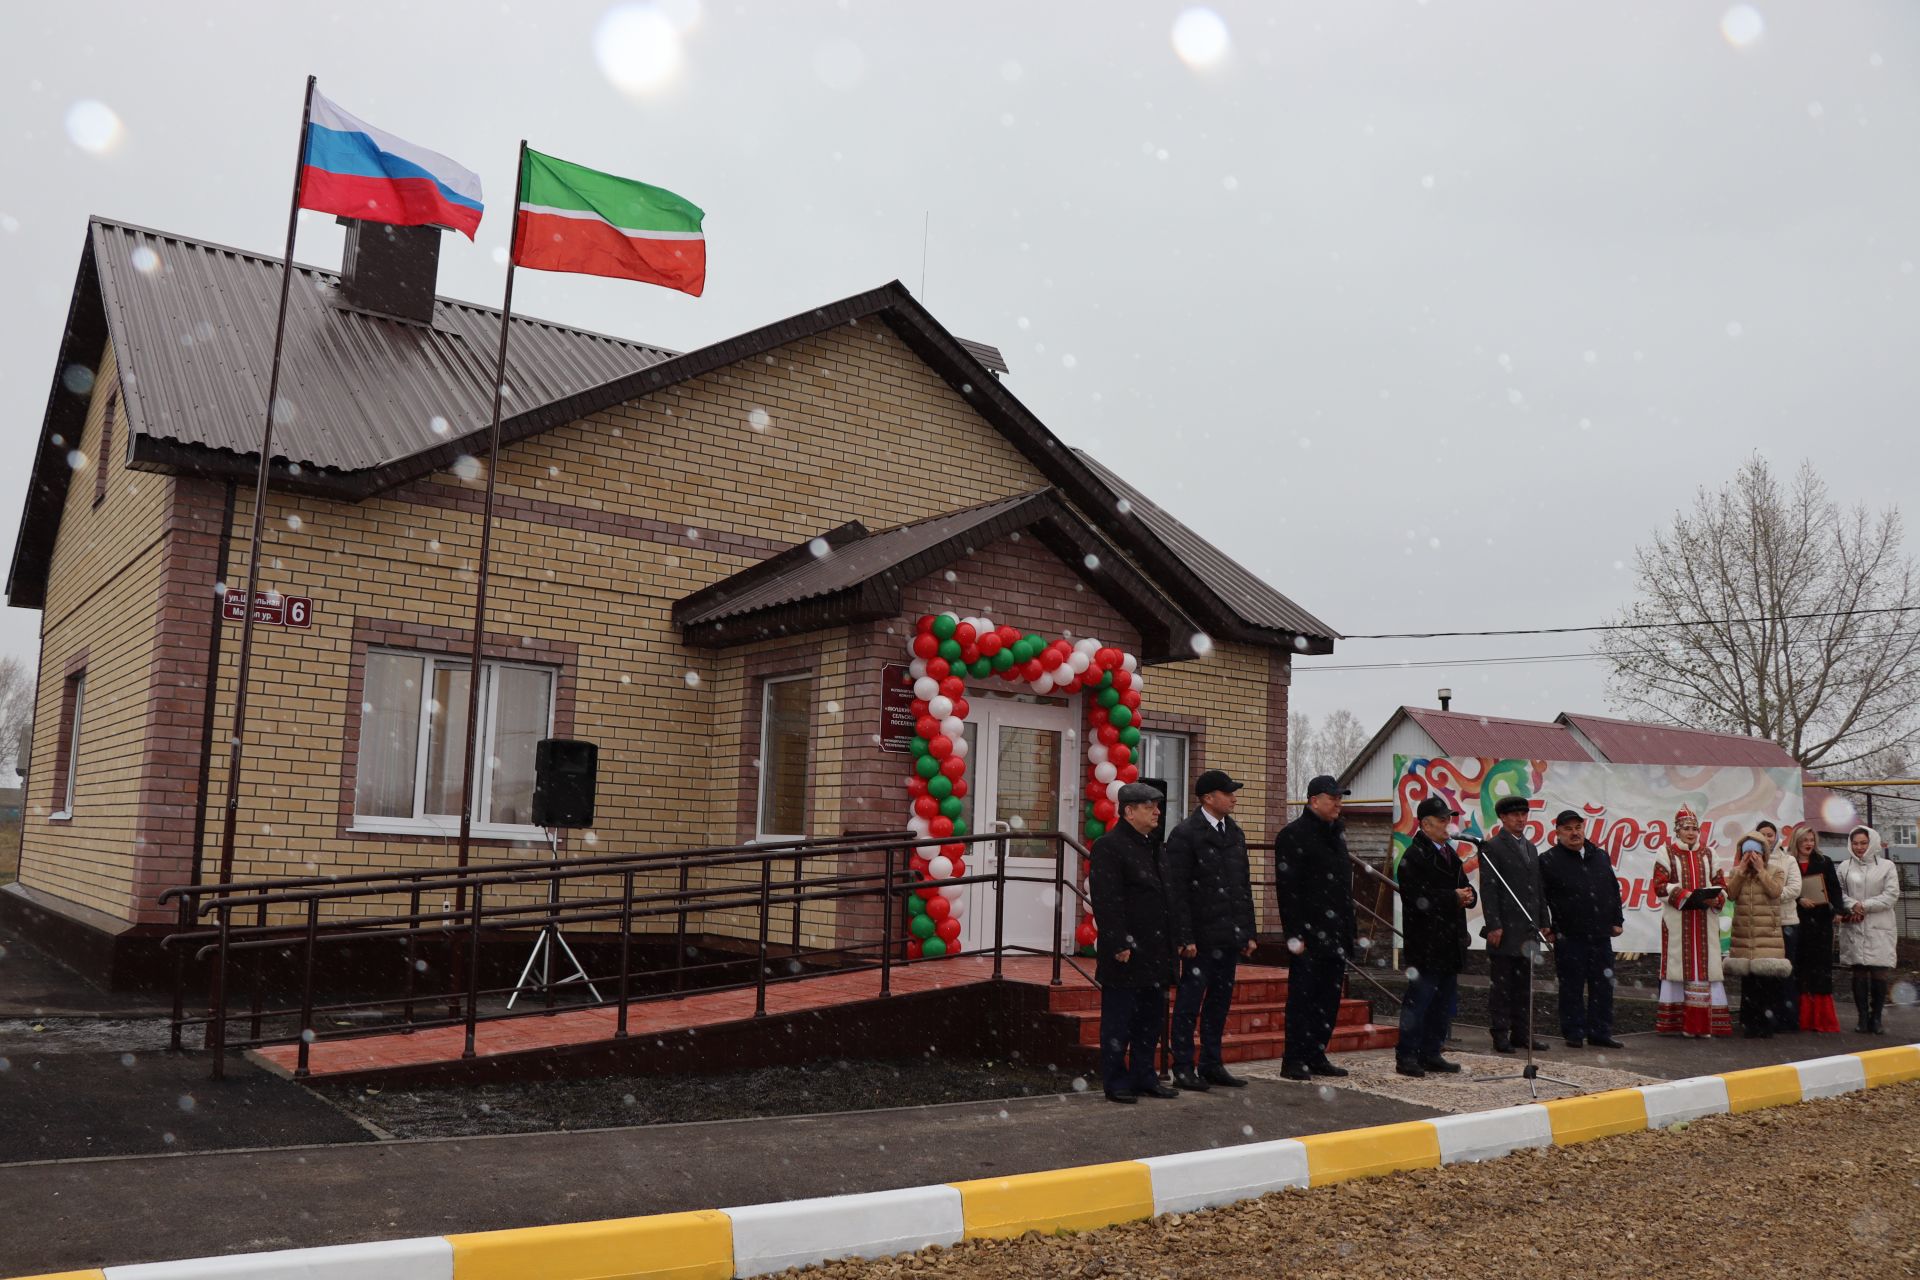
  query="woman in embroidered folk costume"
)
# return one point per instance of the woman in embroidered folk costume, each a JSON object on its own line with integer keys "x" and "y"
{"x": 1693, "y": 998}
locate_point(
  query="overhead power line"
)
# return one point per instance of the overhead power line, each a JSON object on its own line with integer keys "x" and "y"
{"x": 1526, "y": 659}
{"x": 1636, "y": 626}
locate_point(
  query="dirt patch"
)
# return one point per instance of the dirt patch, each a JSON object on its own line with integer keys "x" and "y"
{"x": 615, "y": 1101}
{"x": 1804, "y": 1191}
{"x": 1373, "y": 1072}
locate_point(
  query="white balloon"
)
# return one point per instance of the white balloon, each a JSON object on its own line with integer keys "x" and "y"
{"x": 920, "y": 827}
{"x": 918, "y": 670}
{"x": 1129, "y": 663}
{"x": 1080, "y": 661}
{"x": 1113, "y": 790}
{"x": 952, "y": 726}
{"x": 1105, "y": 772}
{"x": 1139, "y": 681}
{"x": 1087, "y": 645}
{"x": 960, "y": 748}
{"x": 939, "y": 706}
{"x": 1044, "y": 684}
{"x": 959, "y": 908}
{"x": 952, "y": 892}
{"x": 926, "y": 688}
{"x": 940, "y": 867}
{"x": 1097, "y": 753}
{"x": 983, "y": 625}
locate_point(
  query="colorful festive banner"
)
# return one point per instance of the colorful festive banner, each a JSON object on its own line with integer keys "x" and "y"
{"x": 1628, "y": 809}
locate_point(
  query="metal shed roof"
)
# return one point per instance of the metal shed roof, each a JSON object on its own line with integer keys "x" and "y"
{"x": 1632, "y": 742}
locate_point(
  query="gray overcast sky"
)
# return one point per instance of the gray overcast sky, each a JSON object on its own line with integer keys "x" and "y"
{"x": 1427, "y": 312}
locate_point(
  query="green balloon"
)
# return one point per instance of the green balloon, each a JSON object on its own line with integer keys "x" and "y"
{"x": 1095, "y": 828}
{"x": 981, "y": 668}
{"x": 926, "y": 766}
{"x": 940, "y": 788}
{"x": 944, "y": 626}
{"x": 1108, "y": 698}
{"x": 1003, "y": 660}
{"x": 919, "y": 746}
{"x": 952, "y": 807}
{"x": 921, "y": 926}
{"x": 1130, "y": 737}
{"x": 1034, "y": 644}
{"x": 1106, "y": 679}
{"x": 959, "y": 827}
{"x": 933, "y": 948}
{"x": 950, "y": 650}
{"x": 1121, "y": 717}
{"x": 1086, "y": 951}
{"x": 915, "y": 907}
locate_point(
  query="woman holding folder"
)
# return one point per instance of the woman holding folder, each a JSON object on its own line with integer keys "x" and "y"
{"x": 1813, "y": 946}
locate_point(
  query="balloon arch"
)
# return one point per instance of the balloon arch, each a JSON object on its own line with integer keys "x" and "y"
{"x": 947, "y": 650}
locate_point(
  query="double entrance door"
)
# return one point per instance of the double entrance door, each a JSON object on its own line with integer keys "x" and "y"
{"x": 1025, "y": 755}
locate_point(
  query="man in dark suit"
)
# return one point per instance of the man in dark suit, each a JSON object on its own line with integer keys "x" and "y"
{"x": 1514, "y": 905}
{"x": 1434, "y": 897}
{"x": 1135, "y": 950}
{"x": 1583, "y": 896}
{"x": 1313, "y": 877}
{"x": 1210, "y": 900}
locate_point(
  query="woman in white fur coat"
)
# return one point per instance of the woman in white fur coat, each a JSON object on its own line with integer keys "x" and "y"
{"x": 1871, "y": 887}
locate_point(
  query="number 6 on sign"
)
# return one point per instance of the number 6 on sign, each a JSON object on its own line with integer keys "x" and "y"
{"x": 299, "y": 611}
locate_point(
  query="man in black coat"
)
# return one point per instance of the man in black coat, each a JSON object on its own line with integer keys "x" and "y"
{"x": 1584, "y": 897}
{"x": 1514, "y": 904}
{"x": 1313, "y": 877}
{"x": 1135, "y": 950}
{"x": 1434, "y": 897}
{"x": 1210, "y": 896}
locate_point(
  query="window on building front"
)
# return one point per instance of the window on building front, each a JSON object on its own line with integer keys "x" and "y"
{"x": 67, "y": 769}
{"x": 1164, "y": 756}
{"x": 413, "y": 741}
{"x": 1904, "y": 833}
{"x": 786, "y": 714}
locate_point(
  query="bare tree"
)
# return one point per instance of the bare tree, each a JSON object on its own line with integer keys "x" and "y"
{"x": 1299, "y": 754}
{"x": 16, "y": 712}
{"x": 1769, "y": 609}
{"x": 1338, "y": 740}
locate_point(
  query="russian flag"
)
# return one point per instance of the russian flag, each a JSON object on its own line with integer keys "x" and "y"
{"x": 358, "y": 171}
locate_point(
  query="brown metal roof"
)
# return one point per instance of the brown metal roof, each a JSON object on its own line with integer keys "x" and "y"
{"x": 1252, "y": 599}
{"x": 988, "y": 356}
{"x": 1631, "y": 742}
{"x": 1461, "y": 733}
{"x": 193, "y": 326}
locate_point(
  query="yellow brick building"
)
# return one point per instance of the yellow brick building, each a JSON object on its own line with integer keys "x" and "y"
{"x": 707, "y": 563}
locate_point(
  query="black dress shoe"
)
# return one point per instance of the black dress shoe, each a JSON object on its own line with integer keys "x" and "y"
{"x": 1540, "y": 1046}
{"x": 1325, "y": 1068}
{"x": 1188, "y": 1080}
{"x": 1121, "y": 1095}
{"x": 1604, "y": 1042}
{"x": 1158, "y": 1091}
{"x": 1440, "y": 1065}
{"x": 1408, "y": 1067}
{"x": 1574, "y": 1042}
{"x": 1502, "y": 1042}
{"x": 1220, "y": 1076}
{"x": 1295, "y": 1071}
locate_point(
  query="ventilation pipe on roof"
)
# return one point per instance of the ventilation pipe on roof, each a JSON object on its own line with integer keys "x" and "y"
{"x": 1446, "y": 699}
{"x": 389, "y": 270}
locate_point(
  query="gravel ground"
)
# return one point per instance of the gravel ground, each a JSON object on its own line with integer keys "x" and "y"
{"x": 1372, "y": 1072}
{"x": 1723, "y": 1196}
{"x": 605, "y": 1102}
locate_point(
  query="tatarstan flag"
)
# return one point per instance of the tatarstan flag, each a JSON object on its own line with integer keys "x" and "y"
{"x": 577, "y": 219}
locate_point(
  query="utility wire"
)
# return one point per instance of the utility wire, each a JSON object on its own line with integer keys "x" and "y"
{"x": 1636, "y": 626}
{"x": 1528, "y": 659}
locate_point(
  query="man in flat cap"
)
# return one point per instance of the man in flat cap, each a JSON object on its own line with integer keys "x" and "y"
{"x": 1584, "y": 899}
{"x": 1313, "y": 877}
{"x": 1135, "y": 950}
{"x": 1210, "y": 900}
{"x": 1514, "y": 904}
{"x": 1434, "y": 897}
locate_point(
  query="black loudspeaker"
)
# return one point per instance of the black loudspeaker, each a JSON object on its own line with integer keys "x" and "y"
{"x": 563, "y": 777}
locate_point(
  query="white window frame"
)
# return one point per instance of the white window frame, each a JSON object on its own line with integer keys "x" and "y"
{"x": 65, "y": 812}
{"x": 423, "y": 823}
{"x": 1176, "y": 802}
{"x": 760, "y": 833}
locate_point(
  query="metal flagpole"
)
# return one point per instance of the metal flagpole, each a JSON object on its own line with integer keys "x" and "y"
{"x": 468, "y": 774}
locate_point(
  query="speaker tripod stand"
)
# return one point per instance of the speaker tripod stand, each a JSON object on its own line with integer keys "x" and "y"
{"x": 549, "y": 940}
{"x": 1530, "y": 1070}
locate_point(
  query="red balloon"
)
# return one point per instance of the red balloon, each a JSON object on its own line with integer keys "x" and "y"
{"x": 1071, "y": 686}
{"x": 954, "y": 850}
{"x": 916, "y": 785}
{"x": 959, "y": 788}
{"x": 952, "y": 686}
{"x": 927, "y": 727}
{"x": 948, "y": 929}
{"x": 925, "y": 623}
{"x": 1097, "y": 714}
{"x": 926, "y": 895}
{"x": 989, "y": 644}
{"x": 1032, "y": 670}
{"x": 919, "y": 864}
{"x": 1130, "y": 699}
{"x": 938, "y": 908}
{"x": 1118, "y": 754}
{"x": 965, "y": 634}
{"x": 1007, "y": 634}
{"x": 961, "y": 707}
{"x": 969, "y": 653}
{"x": 919, "y": 707}
{"x": 1130, "y": 774}
{"x": 1108, "y": 657}
{"x": 941, "y": 827}
{"x": 939, "y": 746}
{"x": 1104, "y": 810}
{"x": 1108, "y": 735}
{"x": 1122, "y": 679}
{"x": 1084, "y": 935}
{"x": 927, "y": 807}
{"x": 913, "y": 948}
{"x": 953, "y": 766}
{"x": 939, "y": 668}
{"x": 959, "y": 866}
{"x": 926, "y": 645}
{"x": 953, "y": 947}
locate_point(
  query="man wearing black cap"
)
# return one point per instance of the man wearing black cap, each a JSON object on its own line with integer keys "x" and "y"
{"x": 1584, "y": 899}
{"x": 1210, "y": 900}
{"x": 1135, "y": 952}
{"x": 1314, "y": 880}
{"x": 1434, "y": 897}
{"x": 1515, "y": 906}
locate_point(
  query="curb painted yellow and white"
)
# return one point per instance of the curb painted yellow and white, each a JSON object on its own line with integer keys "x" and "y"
{"x": 754, "y": 1240}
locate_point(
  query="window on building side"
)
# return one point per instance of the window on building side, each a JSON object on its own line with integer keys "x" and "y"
{"x": 1164, "y": 756}
{"x": 786, "y": 714}
{"x": 67, "y": 770}
{"x": 1904, "y": 833}
{"x": 413, "y": 740}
